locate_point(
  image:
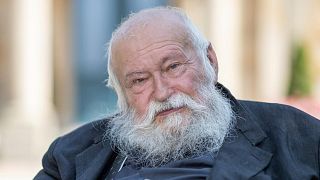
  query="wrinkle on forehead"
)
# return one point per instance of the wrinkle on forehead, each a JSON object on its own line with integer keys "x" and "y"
{"x": 130, "y": 51}
{"x": 142, "y": 37}
{"x": 151, "y": 37}
{"x": 157, "y": 45}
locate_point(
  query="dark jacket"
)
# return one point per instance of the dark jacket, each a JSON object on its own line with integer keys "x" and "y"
{"x": 273, "y": 142}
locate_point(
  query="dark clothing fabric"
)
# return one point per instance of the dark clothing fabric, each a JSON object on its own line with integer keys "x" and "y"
{"x": 193, "y": 168}
{"x": 273, "y": 141}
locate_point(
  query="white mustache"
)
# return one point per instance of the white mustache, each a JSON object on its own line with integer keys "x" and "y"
{"x": 178, "y": 100}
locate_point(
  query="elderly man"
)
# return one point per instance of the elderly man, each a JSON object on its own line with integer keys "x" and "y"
{"x": 175, "y": 121}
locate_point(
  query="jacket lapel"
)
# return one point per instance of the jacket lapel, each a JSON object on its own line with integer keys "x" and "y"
{"x": 239, "y": 160}
{"x": 94, "y": 161}
{"x": 241, "y": 156}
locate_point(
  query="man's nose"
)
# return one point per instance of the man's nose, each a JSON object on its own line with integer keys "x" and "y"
{"x": 162, "y": 89}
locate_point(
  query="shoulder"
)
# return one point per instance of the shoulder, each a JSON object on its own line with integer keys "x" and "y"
{"x": 82, "y": 137}
{"x": 59, "y": 161}
{"x": 280, "y": 118}
{"x": 293, "y": 137}
{"x": 91, "y": 131}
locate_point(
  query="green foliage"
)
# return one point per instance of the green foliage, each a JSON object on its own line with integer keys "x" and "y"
{"x": 300, "y": 79}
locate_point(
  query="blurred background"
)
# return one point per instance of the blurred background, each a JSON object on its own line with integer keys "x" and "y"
{"x": 53, "y": 65}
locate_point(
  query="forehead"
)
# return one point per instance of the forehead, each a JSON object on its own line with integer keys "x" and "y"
{"x": 157, "y": 36}
{"x": 142, "y": 58}
{"x": 134, "y": 50}
{"x": 150, "y": 34}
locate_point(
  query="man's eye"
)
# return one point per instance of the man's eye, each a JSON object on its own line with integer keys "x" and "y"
{"x": 173, "y": 66}
{"x": 138, "y": 81}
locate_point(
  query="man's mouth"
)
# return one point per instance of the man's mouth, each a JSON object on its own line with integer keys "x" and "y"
{"x": 169, "y": 111}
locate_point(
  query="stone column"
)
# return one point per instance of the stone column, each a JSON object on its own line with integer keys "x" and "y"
{"x": 226, "y": 32}
{"x": 28, "y": 124}
{"x": 273, "y": 49}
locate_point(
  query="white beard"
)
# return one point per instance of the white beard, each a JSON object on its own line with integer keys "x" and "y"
{"x": 148, "y": 143}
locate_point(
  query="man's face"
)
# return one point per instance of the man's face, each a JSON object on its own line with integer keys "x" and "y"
{"x": 175, "y": 110}
{"x": 153, "y": 68}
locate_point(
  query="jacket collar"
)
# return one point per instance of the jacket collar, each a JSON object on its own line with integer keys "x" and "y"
{"x": 97, "y": 159}
{"x": 241, "y": 155}
{"x": 246, "y": 121}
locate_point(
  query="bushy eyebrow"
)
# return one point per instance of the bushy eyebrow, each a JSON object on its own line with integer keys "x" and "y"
{"x": 135, "y": 73}
{"x": 164, "y": 59}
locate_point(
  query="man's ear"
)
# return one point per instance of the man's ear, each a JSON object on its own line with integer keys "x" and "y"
{"x": 211, "y": 54}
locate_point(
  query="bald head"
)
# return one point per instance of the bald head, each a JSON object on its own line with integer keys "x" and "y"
{"x": 145, "y": 31}
{"x": 153, "y": 23}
